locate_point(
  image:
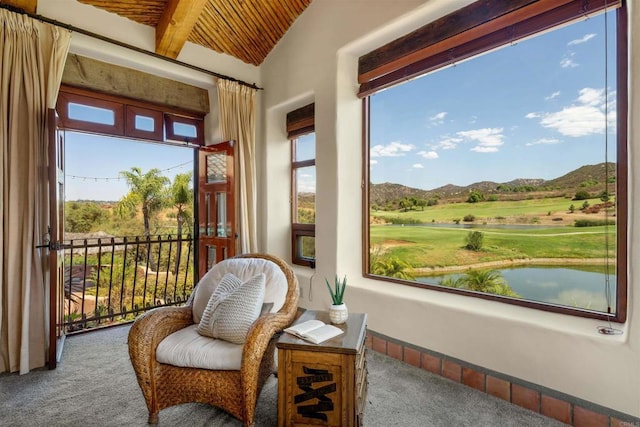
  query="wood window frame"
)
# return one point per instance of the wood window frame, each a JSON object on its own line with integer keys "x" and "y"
{"x": 125, "y": 110}
{"x": 171, "y": 119}
{"x": 130, "y": 125}
{"x": 474, "y": 29}
{"x": 300, "y": 122}
{"x": 67, "y": 98}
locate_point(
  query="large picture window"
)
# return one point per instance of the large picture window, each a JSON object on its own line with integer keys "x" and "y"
{"x": 499, "y": 169}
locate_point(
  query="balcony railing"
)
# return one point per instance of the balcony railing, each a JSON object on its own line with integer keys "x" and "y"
{"x": 112, "y": 280}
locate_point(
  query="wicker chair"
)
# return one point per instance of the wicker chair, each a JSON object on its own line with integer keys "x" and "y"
{"x": 235, "y": 391}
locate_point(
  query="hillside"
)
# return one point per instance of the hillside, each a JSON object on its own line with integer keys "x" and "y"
{"x": 589, "y": 177}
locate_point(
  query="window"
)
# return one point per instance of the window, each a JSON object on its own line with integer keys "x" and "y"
{"x": 497, "y": 169}
{"x": 300, "y": 130}
{"x": 89, "y": 111}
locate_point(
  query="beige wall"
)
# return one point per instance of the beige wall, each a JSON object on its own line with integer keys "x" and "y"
{"x": 316, "y": 61}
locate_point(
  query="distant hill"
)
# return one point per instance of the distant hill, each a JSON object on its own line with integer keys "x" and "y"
{"x": 589, "y": 177}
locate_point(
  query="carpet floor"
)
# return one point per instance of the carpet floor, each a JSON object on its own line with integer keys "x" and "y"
{"x": 94, "y": 385}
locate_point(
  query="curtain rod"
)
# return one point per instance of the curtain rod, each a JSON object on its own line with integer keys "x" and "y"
{"x": 125, "y": 45}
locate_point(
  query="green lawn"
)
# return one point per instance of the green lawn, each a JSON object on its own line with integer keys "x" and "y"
{"x": 488, "y": 211}
{"x": 442, "y": 246}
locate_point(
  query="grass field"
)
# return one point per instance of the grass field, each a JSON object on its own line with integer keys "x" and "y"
{"x": 521, "y": 211}
{"x": 424, "y": 246}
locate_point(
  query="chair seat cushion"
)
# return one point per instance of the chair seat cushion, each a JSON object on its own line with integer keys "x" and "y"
{"x": 189, "y": 349}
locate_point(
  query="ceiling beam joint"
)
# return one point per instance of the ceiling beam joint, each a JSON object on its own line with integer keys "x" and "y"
{"x": 176, "y": 24}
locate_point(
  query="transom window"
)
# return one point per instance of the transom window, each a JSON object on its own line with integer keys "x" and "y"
{"x": 110, "y": 115}
{"x": 499, "y": 169}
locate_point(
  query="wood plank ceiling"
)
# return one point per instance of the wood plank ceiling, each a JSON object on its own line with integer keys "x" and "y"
{"x": 245, "y": 29}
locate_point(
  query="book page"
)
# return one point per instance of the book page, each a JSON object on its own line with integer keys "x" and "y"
{"x": 322, "y": 334}
{"x": 305, "y": 327}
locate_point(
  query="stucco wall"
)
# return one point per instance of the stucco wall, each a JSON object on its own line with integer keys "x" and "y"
{"x": 316, "y": 61}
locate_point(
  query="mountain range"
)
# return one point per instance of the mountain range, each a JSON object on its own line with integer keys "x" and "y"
{"x": 591, "y": 178}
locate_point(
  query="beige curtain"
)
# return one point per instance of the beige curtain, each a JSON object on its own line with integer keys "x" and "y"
{"x": 32, "y": 55}
{"x": 238, "y": 122}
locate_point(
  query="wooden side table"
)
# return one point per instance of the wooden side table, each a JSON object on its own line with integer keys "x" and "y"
{"x": 323, "y": 384}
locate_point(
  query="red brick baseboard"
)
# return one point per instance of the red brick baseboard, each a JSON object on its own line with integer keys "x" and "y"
{"x": 562, "y": 407}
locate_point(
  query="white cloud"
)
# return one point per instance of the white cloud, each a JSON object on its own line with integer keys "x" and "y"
{"x": 428, "y": 155}
{"x": 584, "y": 39}
{"x": 486, "y": 137}
{"x": 438, "y": 119}
{"x": 481, "y": 149}
{"x": 553, "y": 95}
{"x": 393, "y": 149}
{"x": 447, "y": 143}
{"x": 576, "y": 120}
{"x": 568, "y": 63}
{"x": 544, "y": 141}
{"x": 590, "y": 96}
{"x": 585, "y": 117}
{"x": 417, "y": 166}
{"x": 373, "y": 162}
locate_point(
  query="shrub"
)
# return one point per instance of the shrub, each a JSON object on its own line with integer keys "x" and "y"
{"x": 474, "y": 240}
{"x": 475, "y": 197}
{"x": 582, "y": 195}
{"x": 469, "y": 218}
{"x": 592, "y": 222}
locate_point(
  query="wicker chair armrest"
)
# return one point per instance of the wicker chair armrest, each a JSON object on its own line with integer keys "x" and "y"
{"x": 261, "y": 332}
{"x": 152, "y": 327}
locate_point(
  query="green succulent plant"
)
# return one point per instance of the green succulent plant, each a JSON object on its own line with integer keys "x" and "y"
{"x": 337, "y": 291}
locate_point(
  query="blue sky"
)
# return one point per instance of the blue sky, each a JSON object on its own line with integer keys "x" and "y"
{"x": 494, "y": 118}
{"x": 93, "y": 164}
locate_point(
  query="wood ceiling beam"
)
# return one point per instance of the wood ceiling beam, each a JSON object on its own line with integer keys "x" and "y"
{"x": 28, "y": 6}
{"x": 176, "y": 23}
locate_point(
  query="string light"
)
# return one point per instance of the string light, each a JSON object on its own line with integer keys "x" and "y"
{"x": 118, "y": 178}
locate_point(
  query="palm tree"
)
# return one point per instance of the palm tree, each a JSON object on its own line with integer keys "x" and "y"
{"x": 145, "y": 190}
{"x": 488, "y": 281}
{"x": 392, "y": 267}
{"x": 181, "y": 196}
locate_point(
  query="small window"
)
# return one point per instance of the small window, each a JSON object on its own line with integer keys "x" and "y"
{"x": 144, "y": 123}
{"x": 184, "y": 129}
{"x": 91, "y": 114}
{"x": 87, "y": 113}
{"x": 300, "y": 129}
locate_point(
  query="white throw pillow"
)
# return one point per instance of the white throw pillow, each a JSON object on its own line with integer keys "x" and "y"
{"x": 232, "y": 308}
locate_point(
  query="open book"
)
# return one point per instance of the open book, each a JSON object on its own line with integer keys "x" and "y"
{"x": 314, "y": 331}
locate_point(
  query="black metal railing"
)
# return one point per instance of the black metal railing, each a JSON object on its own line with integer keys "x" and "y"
{"x": 113, "y": 280}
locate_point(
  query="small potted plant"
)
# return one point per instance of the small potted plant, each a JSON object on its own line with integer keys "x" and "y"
{"x": 338, "y": 311}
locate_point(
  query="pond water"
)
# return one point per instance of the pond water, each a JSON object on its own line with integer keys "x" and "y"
{"x": 580, "y": 287}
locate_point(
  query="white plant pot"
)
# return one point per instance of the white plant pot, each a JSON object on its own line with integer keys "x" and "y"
{"x": 338, "y": 313}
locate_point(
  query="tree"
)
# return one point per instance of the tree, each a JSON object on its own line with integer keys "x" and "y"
{"x": 474, "y": 240}
{"x": 147, "y": 191}
{"x": 475, "y": 196}
{"x": 392, "y": 267}
{"x": 82, "y": 217}
{"x": 582, "y": 195}
{"x": 181, "y": 196}
{"x": 483, "y": 280}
